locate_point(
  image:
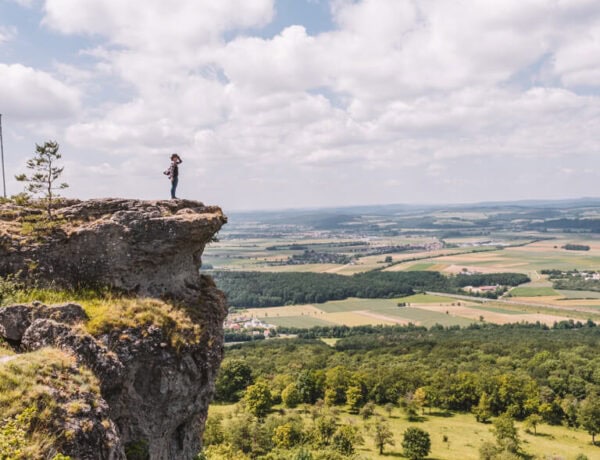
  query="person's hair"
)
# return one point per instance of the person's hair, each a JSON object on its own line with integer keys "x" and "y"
{"x": 174, "y": 155}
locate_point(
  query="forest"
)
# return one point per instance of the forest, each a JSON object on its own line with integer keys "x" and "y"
{"x": 262, "y": 289}
{"x": 573, "y": 280}
{"x": 508, "y": 373}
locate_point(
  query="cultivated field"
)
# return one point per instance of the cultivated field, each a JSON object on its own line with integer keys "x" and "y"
{"x": 423, "y": 310}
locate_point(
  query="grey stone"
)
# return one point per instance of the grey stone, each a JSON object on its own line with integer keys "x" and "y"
{"x": 153, "y": 393}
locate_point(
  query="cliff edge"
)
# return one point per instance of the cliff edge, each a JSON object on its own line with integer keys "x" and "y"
{"x": 153, "y": 341}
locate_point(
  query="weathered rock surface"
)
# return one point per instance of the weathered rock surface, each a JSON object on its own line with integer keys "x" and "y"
{"x": 157, "y": 396}
{"x": 149, "y": 247}
{"x": 16, "y": 319}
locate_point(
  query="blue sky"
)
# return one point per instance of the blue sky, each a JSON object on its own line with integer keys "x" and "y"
{"x": 295, "y": 103}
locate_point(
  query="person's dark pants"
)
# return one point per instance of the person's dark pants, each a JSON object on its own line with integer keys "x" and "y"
{"x": 174, "y": 182}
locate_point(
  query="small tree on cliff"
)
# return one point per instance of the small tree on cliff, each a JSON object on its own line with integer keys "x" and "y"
{"x": 43, "y": 179}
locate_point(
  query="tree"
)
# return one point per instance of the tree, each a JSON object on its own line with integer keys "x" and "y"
{"x": 483, "y": 410}
{"x": 354, "y": 399}
{"x": 213, "y": 430}
{"x": 506, "y": 433}
{"x": 287, "y": 435}
{"x": 258, "y": 399}
{"x": 532, "y": 422}
{"x": 290, "y": 396}
{"x": 336, "y": 383}
{"x": 367, "y": 411}
{"x": 420, "y": 398}
{"x": 410, "y": 407}
{"x": 389, "y": 408}
{"x": 589, "y": 415}
{"x": 416, "y": 443}
{"x": 570, "y": 407}
{"x": 345, "y": 438}
{"x": 308, "y": 386}
{"x": 234, "y": 376}
{"x": 324, "y": 429}
{"x": 45, "y": 173}
{"x": 382, "y": 435}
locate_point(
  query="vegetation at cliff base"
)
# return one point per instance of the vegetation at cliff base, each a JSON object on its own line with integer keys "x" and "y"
{"x": 293, "y": 396}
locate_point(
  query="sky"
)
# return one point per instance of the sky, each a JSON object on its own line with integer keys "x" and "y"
{"x": 307, "y": 103}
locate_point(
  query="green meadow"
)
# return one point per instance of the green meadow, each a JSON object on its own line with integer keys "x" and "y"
{"x": 454, "y": 436}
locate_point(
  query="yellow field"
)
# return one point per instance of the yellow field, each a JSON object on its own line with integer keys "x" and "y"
{"x": 361, "y": 318}
{"x": 492, "y": 316}
{"x": 291, "y": 310}
{"x": 359, "y": 312}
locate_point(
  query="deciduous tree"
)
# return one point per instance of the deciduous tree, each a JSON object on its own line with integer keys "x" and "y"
{"x": 533, "y": 421}
{"x": 416, "y": 443}
{"x": 257, "y": 399}
{"x": 589, "y": 415}
{"x": 234, "y": 376}
{"x": 507, "y": 436}
{"x": 483, "y": 410}
{"x": 382, "y": 434}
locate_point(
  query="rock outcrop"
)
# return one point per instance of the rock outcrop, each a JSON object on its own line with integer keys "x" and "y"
{"x": 157, "y": 391}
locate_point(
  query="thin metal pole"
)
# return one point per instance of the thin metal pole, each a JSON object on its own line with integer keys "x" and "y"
{"x": 2, "y": 156}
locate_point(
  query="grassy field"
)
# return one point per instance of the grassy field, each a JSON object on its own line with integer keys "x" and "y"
{"x": 464, "y": 436}
{"x": 527, "y": 291}
{"x": 299, "y": 321}
{"x": 528, "y": 259}
{"x": 579, "y": 294}
{"x": 427, "y": 298}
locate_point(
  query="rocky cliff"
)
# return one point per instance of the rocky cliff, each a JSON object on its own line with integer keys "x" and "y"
{"x": 155, "y": 360}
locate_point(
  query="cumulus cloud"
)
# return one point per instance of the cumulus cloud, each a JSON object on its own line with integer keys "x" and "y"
{"x": 31, "y": 94}
{"x": 394, "y": 85}
{"x": 154, "y": 24}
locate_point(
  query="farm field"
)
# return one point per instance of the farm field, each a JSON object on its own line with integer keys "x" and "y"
{"x": 573, "y": 306}
{"x": 268, "y": 254}
{"x": 532, "y": 291}
{"x": 497, "y": 315}
{"x": 423, "y": 310}
{"x": 528, "y": 259}
{"x": 579, "y": 294}
{"x": 464, "y": 436}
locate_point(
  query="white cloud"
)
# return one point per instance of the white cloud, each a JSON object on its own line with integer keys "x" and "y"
{"x": 31, "y": 94}
{"x": 156, "y": 25}
{"x": 397, "y": 85}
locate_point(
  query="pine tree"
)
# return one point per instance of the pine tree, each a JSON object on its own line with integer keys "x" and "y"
{"x": 45, "y": 173}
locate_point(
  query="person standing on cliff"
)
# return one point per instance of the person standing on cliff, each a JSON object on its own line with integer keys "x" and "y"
{"x": 173, "y": 173}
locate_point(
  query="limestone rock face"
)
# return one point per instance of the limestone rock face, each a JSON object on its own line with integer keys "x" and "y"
{"x": 157, "y": 394}
{"x": 16, "y": 319}
{"x": 148, "y": 247}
